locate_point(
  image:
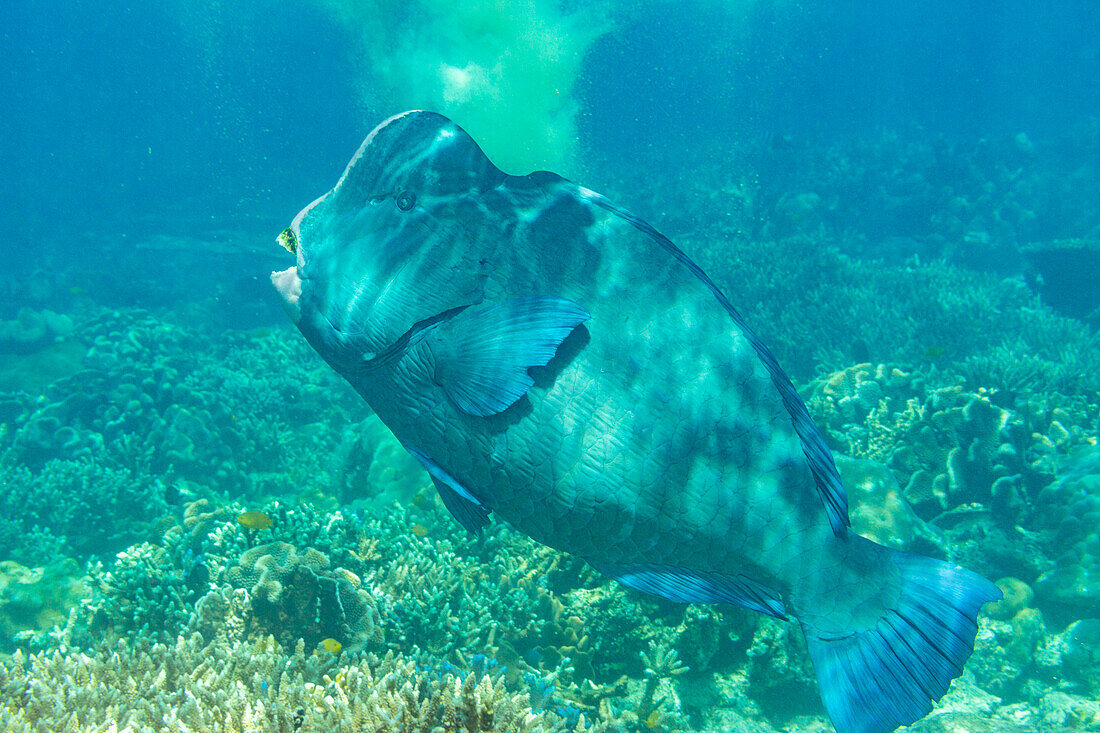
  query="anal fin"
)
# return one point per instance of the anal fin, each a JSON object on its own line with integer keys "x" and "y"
{"x": 694, "y": 586}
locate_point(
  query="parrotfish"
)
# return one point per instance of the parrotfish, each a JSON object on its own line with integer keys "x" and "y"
{"x": 553, "y": 360}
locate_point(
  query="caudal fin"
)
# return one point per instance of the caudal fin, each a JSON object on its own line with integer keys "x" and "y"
{"x": 889, "y": 675}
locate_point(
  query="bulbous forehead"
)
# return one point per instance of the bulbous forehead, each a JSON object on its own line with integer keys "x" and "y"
{"x": 419, "y": 151}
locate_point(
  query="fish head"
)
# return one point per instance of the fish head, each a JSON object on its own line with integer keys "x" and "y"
{"x": 392, "y": 243}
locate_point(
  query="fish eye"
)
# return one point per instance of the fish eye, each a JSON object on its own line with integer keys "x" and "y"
{"x": 406, "y": 200}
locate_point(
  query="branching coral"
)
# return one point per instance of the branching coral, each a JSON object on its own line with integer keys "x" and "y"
{"x": 192, "y": 686}
{"x": 79, "y": 503}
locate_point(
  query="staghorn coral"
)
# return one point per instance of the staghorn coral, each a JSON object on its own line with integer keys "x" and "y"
{"x": 143, "y": 594}
{"x": 662, "y": 664}
{"x": 156, "y": 399}
{"x": 194, "y": 686}
{"x": 79, "y": 502}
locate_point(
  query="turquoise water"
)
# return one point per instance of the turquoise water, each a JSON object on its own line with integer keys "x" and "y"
{"x": 203, "y": 527}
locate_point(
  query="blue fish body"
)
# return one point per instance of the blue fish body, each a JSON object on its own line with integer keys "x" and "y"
{"x": 552, "y": 359}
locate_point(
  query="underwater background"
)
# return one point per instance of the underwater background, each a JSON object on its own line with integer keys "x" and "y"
{"x": 203, "y": 528}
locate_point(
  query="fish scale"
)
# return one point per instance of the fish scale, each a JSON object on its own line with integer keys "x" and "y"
{"x": 554, "y": 361}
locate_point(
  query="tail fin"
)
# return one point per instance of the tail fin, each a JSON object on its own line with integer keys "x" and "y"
{"x": 887, "y": 676}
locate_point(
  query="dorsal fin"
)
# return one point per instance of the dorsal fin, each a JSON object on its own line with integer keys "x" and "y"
{"x": 818, "y": 455}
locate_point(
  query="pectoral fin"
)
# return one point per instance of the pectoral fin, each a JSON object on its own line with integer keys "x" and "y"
{"x": 482, "y": 354}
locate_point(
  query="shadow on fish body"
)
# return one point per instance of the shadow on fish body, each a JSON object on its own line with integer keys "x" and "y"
{"x": 551, "y": 358}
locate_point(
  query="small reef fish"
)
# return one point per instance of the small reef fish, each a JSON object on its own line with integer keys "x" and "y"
{"x": 332, "y": 645}
{"x": 551, "y": 358}
{"x": 255, "y": 520}
{"x": 419, "y": 530}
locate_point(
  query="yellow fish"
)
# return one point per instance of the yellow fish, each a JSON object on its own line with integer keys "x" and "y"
{"x": 419, "y": 530}
{"x": 935, "y": 351}
{"x": 332, "y": 645}
{"x": 255, "y": 520}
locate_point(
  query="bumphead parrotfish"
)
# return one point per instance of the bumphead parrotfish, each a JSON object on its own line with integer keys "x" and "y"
{"x": 553, "y": 359}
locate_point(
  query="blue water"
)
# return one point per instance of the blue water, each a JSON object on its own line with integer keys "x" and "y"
{"x": 915, "y": 185}
{"x": 120, "y": 114}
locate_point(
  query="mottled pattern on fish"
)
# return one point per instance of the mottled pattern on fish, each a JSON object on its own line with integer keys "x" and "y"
{"x": 554, "y": 361}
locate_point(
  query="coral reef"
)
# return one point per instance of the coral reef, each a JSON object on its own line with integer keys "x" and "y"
{"x": 33, "y": 329}
{"x": 949, "y": 447}
{"x": 979, "y": 469}
{"x": 845, "y": 251}
{"x": 32, "y": 599}
{"x": 150, "y": 399}
{"x": 1001, "y": 481}
{"x": 963, "y": 410}
{"x": 294, "y": 595}
{"x": 193, "y": 686}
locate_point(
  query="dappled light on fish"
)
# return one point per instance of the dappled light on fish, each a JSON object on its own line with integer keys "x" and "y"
{"x": 482, "y": 316}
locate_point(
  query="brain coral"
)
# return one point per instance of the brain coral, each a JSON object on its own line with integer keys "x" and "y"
{"x": 947, "y": 446}
{"x": 295, "y": 595}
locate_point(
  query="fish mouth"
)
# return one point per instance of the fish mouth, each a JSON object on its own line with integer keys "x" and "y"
{"x": 288, "y": 283}
{"x": 289, "y": 286}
